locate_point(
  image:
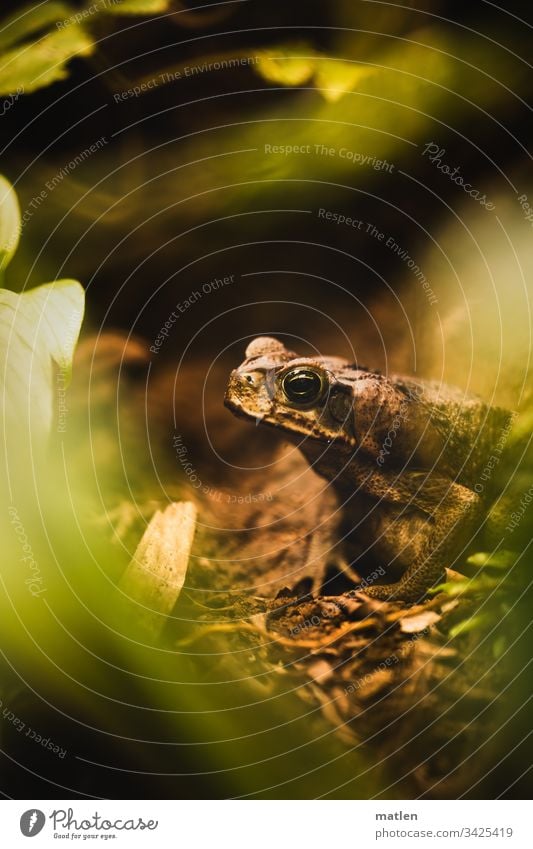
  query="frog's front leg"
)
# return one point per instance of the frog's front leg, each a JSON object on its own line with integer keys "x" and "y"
{"x": 451, "y": 512}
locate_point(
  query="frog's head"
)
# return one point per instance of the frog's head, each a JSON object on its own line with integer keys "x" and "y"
{"x": 300, "y": 395}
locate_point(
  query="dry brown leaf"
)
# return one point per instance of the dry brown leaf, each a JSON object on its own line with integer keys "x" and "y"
{"x": 155, "y": 576}
{"x": 415, "y": 624}
{"x": 320, "y": 671}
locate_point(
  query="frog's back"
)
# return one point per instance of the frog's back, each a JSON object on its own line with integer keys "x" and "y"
{"x": 471, "y": 430}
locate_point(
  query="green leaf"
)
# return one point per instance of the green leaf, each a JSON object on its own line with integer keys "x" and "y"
{"x": 38, "y": 333}
{"x": 280, "y": 65}
{"x": 522, "y": 427}
{"x": 9, "y": 222}
{"x": 500, "y": 560}
{"x": 498, "y": 647}
{"x": 468, "y": 625}
{"x": 136, "y": 7}
{"x": 29, "y": 21}
{"x": 451, "y": 588}
{"x": 39, "y": 63}
{"x": 298, "y": 63}
{"x": 334, "y": 77}
{"x": 29, "y": 62}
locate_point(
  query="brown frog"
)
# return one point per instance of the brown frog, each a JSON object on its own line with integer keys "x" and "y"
{"x": 405, "y": 456}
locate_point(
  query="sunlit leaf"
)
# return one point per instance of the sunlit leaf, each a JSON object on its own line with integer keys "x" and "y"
{"x": 136, "y": 7}
{"x": 522, "y": 428}
{"x": 498, "y": 647}
{"x": 334, "y": 77}
{"x": 9, "y": 222}
{"x": 451, "y": 588}
{"x": 30, "y": 21}
{"x": 32, "y": 66}
{"x": 38, "y": 333}
{"x": 296, "y": 64}
{"x": 500, "y": 560}
{"x": 285, "y": 66}
{"x": 467, "y": 625}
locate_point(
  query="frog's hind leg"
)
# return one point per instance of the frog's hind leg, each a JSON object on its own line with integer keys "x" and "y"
{"x": 452, "y": 521}
{"x": 403, "y": 545}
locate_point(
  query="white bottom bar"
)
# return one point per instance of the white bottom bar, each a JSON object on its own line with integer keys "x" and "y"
{"x": 267, "y": 824}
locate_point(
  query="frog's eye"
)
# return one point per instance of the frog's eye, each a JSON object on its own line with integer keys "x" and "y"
{"x": 303, "y": 385}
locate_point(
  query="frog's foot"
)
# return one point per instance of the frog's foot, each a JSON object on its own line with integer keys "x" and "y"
{"x": 394, "y": 592}
{"x": 411, "y": 588}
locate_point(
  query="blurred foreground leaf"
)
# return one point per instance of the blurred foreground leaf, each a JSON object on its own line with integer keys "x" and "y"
{"x": 466, "y": 625}
{"x": 44, "y": 61}
{"x": 281, "y": 66}
{"x": 499, "y": 560}
{"x": 332, "y": 77}
{"x": 31, "y": 21}
{"x": 451, "y": 588}
{"x": 137, "y": 7}
{"x": 522, "y": 428}
{"x": 9, "y": 222}
{"x": 335, "y": 78}
{"x": 37, "y": 330}
{"x": 39, "y": 41}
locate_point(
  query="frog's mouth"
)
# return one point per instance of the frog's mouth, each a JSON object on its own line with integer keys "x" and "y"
{"x": 248, "y": 397}
{"x": 241, "y": 412}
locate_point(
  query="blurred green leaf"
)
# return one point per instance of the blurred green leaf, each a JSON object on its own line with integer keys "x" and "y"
{"x": 335, "y": 78}
{"x": 280, "y": 65}
{"x": 31, "y": 62}
{"x": 467, "y": 625}
{"x": 44, "y": 61}
{"x": 522, "y": 428}
{"x": 136, "y": 7}
{"x": 500, "y": 560}
{"x": 451, "y": 588}
{"x": 498, "y": 647}
{"x": 9, "y": 222}
{"x": 332, "y": 77}
{"x": 29, "y": 21}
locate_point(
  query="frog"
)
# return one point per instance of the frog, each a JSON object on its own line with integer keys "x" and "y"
{"x": 404, "y": 455}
